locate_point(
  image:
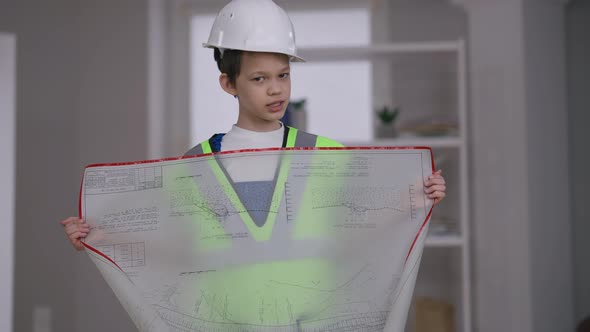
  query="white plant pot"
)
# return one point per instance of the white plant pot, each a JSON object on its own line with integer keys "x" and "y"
{"x": 385, "y": 131}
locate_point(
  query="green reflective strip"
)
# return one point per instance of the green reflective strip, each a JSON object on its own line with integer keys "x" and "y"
{"x": 208, "y": 235}
{"x": 206, "y": 147}
{"x": 212, "y": 236}
{"x": 277, "y": 195}
{"x": 312, "y": 223}
{"x": 258, "y": 233}
{"x": 324, "y": 142}
{"x": 264, "y": 233}
{"x": 268, "y": 294}
{"x": 291, "y": 138}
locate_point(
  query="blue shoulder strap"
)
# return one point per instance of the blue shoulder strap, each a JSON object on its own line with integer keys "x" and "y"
{"x": 215, "y": 142}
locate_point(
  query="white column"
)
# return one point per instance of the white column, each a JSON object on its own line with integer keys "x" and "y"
{"x": 7, "y": 175}
{"x": 500, "y": 203}
{"x": 156, "y": 78}
{"x": 522, "y": 256}
{"x": 549, "y": 196}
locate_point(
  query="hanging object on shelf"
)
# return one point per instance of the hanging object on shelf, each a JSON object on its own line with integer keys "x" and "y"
{"x": 386, "y": 127}
{"x": 296, "y": 114}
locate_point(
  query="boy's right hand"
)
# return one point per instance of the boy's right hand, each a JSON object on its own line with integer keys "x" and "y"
{"x": 76, "y": 230}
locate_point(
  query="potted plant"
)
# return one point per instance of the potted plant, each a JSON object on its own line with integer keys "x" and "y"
{"x": 386, "y": 127}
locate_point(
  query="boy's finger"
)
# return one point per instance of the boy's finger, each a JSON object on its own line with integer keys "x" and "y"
{"x": 431, "y": 189}
{"x": 73, "y": 228}
{"x": 78, "y": 224}
{"x": 438, "y": 180}
{"x": 435, "y": 176}
{"x": 76, "y": 236}
{"x": 68, "y": 220}
{"x": 437, "y": 194}
{"x": 82, "y": 224}
{"x": 430, "y": 183}
{"x": 78, "y": 245}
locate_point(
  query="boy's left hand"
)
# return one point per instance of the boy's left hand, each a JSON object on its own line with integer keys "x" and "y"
{"x": 434, "y": 187}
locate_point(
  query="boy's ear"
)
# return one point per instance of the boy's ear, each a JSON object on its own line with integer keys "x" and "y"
{"x": 227, "y": 85}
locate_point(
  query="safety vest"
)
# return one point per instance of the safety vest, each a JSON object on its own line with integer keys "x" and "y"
{"x": 292, "y": 138}
{"x": 216, "y": 237}
{"x": 261, "y": 230}
{"x": 280, "y": 290}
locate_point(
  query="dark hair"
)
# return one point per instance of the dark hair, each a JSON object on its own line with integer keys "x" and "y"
{"x": 229, "y": 64}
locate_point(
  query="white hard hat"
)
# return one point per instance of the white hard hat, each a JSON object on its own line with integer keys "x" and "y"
{"x": 253, "y": 25}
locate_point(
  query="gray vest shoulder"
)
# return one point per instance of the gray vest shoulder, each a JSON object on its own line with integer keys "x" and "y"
{"x": 305, "y": 139}
{"x": 197, "y": 149}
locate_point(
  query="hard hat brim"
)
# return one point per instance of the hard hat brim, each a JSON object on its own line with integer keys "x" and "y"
{"x": 292, "y": 57}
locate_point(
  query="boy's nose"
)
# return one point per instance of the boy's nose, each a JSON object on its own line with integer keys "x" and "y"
{"x": 274, "y": 89}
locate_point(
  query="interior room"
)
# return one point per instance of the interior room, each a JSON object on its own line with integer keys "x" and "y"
{"x": 496, "y": 88}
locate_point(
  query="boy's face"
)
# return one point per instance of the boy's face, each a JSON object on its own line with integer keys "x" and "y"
{"x": 263, "y": 87}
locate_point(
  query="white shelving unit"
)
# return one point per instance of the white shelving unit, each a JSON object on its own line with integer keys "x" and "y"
{"x": 445, "y": 269}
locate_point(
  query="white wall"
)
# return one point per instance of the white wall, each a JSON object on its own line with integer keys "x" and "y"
{"x": 578, "y": 53}
{"x": 81, "y": 98}
{"x": 112, "y": 106}
{"x": 521, "y": 215}
{"x": 425, "y": 20}
{"x": 47, "y": 157}
{"x": 7, "y": 173}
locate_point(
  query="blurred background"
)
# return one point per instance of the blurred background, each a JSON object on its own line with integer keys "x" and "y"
{"x": 497, "y": 88}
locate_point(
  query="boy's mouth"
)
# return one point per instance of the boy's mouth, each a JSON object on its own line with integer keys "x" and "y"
{"x": 276, "y": 106}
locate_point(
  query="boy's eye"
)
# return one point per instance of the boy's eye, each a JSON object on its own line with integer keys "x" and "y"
{"x": 284, "y": 75}
{"x": 258, "y": 79}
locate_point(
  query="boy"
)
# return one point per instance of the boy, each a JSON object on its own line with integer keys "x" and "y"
{"x": 254, "y": 42}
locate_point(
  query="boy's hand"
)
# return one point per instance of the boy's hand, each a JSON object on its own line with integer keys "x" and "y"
{"x": 76, "y": 230}
{"x": 434, "y": 187}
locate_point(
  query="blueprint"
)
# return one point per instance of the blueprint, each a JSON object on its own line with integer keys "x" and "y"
{"x": 330, "y": 242}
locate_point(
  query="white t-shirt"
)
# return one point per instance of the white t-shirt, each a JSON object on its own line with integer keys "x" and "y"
{"x": 254, "y": 168}
{"x": 239, "y": 138}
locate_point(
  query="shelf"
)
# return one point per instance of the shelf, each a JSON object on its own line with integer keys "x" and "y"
{"x": 400, "y": 71}
{"x": 433, "y": 142}
{"x": 451, "y": 240}
{"x": 350, "y": 53}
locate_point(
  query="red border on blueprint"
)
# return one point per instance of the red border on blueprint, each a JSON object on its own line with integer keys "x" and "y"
{"x": 140, "y": 162}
